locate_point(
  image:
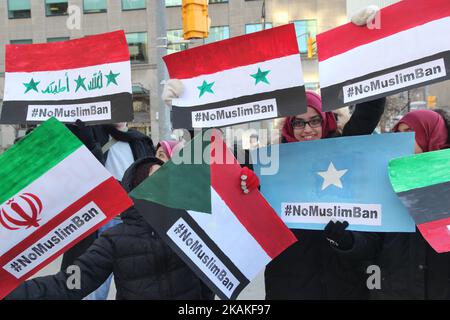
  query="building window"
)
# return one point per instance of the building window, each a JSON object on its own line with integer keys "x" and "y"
{"x": 133, "y": 4}
{"x": 217, "y": 33}
{"x": 254, "y": 27}
{"x": 175, "y": 36}
{"x": 21, "y": 41}
{"x": 94, "y": 6}
{"x": 58, "y": 39}
{"x": 173, "y": 3}
{"x": 137, "y": 44}
{"x": 312, "y": 86}
{"x": 55, "y": 7}
{"x": 18, "y": 9}
{"x": 303, "y": 28}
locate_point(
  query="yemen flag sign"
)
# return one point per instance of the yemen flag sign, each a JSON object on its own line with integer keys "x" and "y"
{"x": 422, "y": 183}
{"x": 247, "y": 78}
{"x": 87, "y": 79}
{"x": 53, "y": 193}
{"x": 226, "y": 237}
{"x": 410, "y": 48}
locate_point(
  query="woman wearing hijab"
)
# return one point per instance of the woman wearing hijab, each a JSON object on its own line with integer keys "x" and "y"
{"x": 410, "y": 268}
{"x": 165, "y": 149}
{"x": 322, "y": 264}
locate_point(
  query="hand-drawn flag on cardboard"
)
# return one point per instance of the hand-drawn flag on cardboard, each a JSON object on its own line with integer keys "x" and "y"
{"x": 53, "y": 193}
{"x": 247, "y": 78}
{"x": 226, "y": 237}
{"x": 411, "y": 48}
{"x": 337, "y": 179}
{"x": 87, "y": 79}
{"x": 422, "y": 183}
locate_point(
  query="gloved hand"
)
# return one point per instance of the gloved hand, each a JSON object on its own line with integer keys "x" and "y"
{"x": 365, "y": 16}
{"x": 173, "y": 88}
{"x": 83, "y": 133}
{"x": 337, "y": 236}
{"x": 249, "y": 180}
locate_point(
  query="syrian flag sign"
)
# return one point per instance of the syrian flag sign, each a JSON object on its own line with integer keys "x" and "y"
{"x": 342, "y": 179}
{"x": 54, "y": 193}
{"x": 422, "y": 183}
{"x": 199, "y": 209}
{"x": 410, "y": 49}
{"x": 87, "y": 79}
{"x": 247, "y": 78}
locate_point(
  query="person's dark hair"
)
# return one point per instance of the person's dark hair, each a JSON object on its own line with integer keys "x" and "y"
{"x": 141, "y": 173}
{"x": 446, "y": 115}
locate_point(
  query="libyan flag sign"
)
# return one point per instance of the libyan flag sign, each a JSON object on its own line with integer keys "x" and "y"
{"x": 198, "y": 208}
{"x": 87, "y": 79}
{"x": 54, "y": 193}
{"x": 422, "y": 183}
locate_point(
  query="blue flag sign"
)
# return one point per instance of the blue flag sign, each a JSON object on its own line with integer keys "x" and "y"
{"x": 337, "y": 179}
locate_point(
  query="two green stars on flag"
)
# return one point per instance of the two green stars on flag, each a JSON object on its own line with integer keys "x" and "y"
{"x": 111, "y": 78}
{"x": 260, "y": 76}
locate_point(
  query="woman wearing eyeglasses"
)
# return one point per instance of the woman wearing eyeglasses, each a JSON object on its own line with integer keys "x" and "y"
{"x": 324, "y": 264}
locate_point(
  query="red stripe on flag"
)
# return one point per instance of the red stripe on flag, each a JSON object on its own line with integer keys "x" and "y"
{"x": 234, "y": 52}
{"x": 252, "y": 210}
{"x": 109, "y": 196}
{"x": 398, "y": 17}
{"x": 79, "y": 53}
{"x": 437, "y": 234}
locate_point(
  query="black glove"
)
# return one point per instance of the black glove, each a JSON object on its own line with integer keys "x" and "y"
{"x": 83, "y": 133}
{"x": 337, "y": 236}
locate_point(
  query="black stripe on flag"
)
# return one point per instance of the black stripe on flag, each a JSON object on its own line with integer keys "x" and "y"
{"x": 428, "y": 203}
{"x": 162, "y": 219}
{"x": 15, "y": 112}
{"x": 333, "y": 96}
{"x": 291, "y": 101}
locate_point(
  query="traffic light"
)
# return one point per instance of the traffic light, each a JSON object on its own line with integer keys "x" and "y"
{"x": 431, "y": 102}
{"x": 310, "y": 43}
{"x": 196, "y": 22}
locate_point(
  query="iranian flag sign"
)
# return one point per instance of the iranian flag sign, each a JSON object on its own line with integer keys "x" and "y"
{"x": 422, "y": 183}
{"x": 198, "y": 208}
{"x": 53, "y": 193}
{"x": 247, "y": 78}
{"x": 407, "y": 47}
{"x": 87, "y": 79}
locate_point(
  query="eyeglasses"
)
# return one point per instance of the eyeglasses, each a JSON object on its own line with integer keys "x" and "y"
{"x": 301, "y": 124}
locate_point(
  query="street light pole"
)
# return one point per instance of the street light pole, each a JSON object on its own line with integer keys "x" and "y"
{"x": 161, "y": 34}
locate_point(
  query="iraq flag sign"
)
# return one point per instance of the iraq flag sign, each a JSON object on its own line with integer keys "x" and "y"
{"x": 422, "y": 183}
{"x": 87, "y": 79}
{"x": 336, "y": 179}
{"x": 195, "y": 203}
{"x": 407, "y": 46}
{"x": 247, "y": 78}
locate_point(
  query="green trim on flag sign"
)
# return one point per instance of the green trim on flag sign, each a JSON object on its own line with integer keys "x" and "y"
{"x": 420, "y": 170}
{"x": 34, "y": 155}
{"x": 185, "y": 185}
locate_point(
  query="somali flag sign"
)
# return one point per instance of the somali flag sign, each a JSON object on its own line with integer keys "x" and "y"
{"x": 341, "y": 179}
{"x": 87, "y": 79}
{"x": 422, "y": 184}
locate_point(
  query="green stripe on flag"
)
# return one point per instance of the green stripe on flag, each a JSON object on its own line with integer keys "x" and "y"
{"x": 34, "y": 155}
{"x": 180, "y": 183}
{"x": 420, "y": 170}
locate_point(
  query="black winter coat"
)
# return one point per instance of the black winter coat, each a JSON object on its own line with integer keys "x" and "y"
{"x": 411, "y": 269}
{"x": 310, "y": 268}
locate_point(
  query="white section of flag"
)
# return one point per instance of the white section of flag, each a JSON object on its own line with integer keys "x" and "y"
{"x": 223, "y": 227}
{"x": 284, "y": 73}
{"x": 36, "y": 259}
{"x": 62, "y": 185}
{"x": 403, "y": 47}
{"x": 209, "y": 264}
{"x": 15, "y": 90}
